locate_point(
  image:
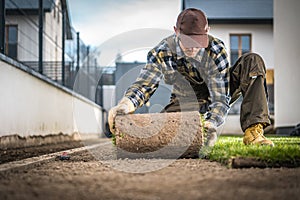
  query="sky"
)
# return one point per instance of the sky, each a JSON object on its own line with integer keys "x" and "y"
{"x": 127, "y": 27}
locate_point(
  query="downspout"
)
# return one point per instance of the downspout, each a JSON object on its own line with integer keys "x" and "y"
{"x": 2, "y": 27}
{"x": 41, "y": 30}
{"x": 63, "y": 44}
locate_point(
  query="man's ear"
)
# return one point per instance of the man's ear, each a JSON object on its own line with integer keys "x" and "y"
{"x": 176, "y": 30}
{"x": 208, "y": 29}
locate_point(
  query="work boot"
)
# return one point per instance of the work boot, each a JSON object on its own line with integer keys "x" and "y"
{"x": 255, "y": 135}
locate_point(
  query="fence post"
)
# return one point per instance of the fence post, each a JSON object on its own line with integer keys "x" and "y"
{"x": 88, "y": 71}
{"x": 41, "y": 30}
{"x": 78, "y": 52}
{"x": 2, "y": 26}
{"x": 63, "y": 44}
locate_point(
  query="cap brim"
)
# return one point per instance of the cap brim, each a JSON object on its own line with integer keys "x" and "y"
{"x": 189, "y": 41}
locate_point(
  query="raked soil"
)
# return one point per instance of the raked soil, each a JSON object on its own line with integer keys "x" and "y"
{"x": 99, "y": 174}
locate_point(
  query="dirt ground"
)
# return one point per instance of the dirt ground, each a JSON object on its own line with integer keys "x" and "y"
{"x": 13, "y": 154}
{"x": 98, "y": 174}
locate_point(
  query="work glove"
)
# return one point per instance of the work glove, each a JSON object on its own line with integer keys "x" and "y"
{"x": 210, "y": 133}
{"x": 210, "y": 138}
{"x": 125, "y": 106}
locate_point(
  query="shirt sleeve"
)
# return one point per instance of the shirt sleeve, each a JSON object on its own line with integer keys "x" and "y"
{"x": 148, "y": 80}
{"x": 218, "y": 84}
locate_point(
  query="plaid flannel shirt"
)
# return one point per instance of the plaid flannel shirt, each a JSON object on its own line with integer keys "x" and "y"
{"x": 211, "y": 65}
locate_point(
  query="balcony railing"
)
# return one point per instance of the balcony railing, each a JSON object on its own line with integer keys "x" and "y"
{"x": 54, "y": 71}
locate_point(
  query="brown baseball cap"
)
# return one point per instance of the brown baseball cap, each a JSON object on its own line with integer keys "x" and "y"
{"x": 193, "y": 26}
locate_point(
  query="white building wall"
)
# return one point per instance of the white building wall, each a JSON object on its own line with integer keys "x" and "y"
{"x": 262, "y": 38}
{"x": 53, "y": 38}
{"x": 287, "y": 67}
{"x": 31, "y": 106}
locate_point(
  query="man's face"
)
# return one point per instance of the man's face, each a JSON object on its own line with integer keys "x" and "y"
{"x": 189, "y": 52}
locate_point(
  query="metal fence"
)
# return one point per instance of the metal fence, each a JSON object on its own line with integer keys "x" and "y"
{"x": 53, "y": 70}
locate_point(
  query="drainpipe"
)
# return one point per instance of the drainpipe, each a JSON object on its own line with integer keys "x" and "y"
{"x": 63, "y": 44}
{"x": 41, "y": 30}
{"x": 2, "y": 26}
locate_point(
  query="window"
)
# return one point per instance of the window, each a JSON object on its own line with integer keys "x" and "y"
{"x": 11, "y": 41}
{"x": 239, "y": 44}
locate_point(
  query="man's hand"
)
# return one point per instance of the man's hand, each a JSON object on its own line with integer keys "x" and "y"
{"x": 125, "y": 106}
{"x": 210, "y": 133}
{"x": 210, "y": 138}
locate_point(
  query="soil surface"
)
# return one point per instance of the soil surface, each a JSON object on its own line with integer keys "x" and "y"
{"x": 13, "y": 154}
{"x": 98, "y": 174}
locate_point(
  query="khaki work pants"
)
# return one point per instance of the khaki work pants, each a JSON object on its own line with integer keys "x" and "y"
{"x": 247, "y": 78}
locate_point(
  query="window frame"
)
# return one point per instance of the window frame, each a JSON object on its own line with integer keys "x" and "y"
{"x": 7, "y": 42}
{"x": 240, "y": 48}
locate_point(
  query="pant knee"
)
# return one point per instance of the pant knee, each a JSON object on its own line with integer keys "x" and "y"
{"x": 255, "y": 64}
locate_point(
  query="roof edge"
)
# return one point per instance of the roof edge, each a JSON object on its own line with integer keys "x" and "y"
{"x": 240, "y": 21}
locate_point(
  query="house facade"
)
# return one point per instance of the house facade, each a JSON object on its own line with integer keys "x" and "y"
{"x": 22, "y": 34}
{"x": 244, "y": 26}
{"x": 22, "y": 29}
